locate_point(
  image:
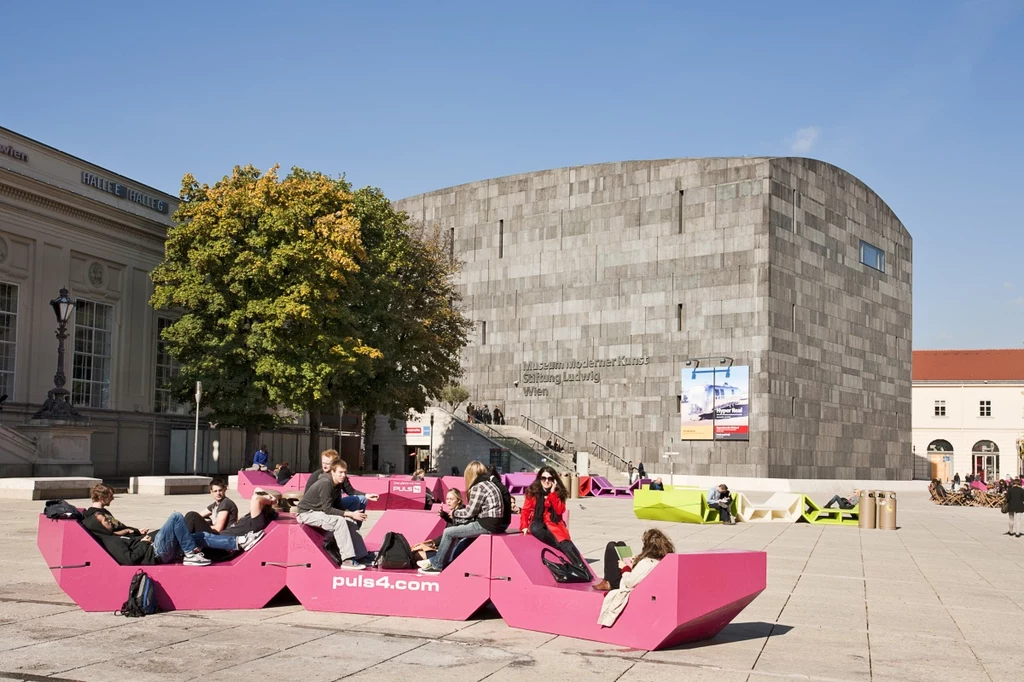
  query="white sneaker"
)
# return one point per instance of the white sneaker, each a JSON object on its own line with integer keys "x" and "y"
{"x": 423, "y": 563}
{"x": 196, "y": 558}
{"x": 352, "y": 565}
{"x": 249, "y": 540}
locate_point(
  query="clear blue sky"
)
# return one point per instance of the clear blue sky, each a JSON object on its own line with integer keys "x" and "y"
{"x": 922, "y": 101}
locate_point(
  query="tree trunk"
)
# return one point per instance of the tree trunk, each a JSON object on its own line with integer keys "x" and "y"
{"x": 314, "y": 439}
{"x": 369, "y": 427}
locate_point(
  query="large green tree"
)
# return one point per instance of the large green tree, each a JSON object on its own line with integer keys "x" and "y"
{"x": 264, "y": 272}
{"x": 409, "y": 309}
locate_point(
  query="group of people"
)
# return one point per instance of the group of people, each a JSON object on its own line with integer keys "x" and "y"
{"x": 635, "y": 473}
{"x": 554, "y": 445}
{"x": 484, "y": 415}
{"x": 332, "y": 504}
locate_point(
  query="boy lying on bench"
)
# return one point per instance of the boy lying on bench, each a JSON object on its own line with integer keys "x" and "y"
{"x": 170, "y": 544}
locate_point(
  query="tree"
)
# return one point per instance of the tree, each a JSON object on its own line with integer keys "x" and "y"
{"x": 454, "y": 395}
{"x": 265, "y": 272}
{"x": 408, "y": 309}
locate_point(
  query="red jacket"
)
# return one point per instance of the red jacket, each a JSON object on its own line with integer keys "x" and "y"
{"x": 559, "y": 529}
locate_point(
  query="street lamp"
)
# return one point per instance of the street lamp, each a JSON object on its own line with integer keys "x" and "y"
{"x": 431, "y": 462}
{"x": 58, "y": 403}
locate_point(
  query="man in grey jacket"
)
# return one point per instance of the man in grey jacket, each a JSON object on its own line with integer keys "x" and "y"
{"x": 316, "y": 508}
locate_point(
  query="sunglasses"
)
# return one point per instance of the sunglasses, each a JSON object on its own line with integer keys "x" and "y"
{"x": 546, "y": 478}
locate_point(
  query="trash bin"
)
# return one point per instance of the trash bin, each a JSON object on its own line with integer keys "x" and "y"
{"x": 867, "y": 509}
{"x": 574, "y": 489}
{"x": 566, "y": 481}
{"x": 886, "y": 505}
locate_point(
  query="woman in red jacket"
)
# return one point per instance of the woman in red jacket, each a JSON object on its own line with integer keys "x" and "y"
{"x": 543, "y": 514}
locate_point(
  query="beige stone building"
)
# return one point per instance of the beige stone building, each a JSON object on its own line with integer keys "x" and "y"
{"x": 65, "y": 222}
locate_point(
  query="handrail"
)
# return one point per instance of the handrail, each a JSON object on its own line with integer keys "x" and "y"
{"x": 615, "y": 457}
{"x": 542, "y": 447}
{"x": 493, "y": 433}
{"x": 472, "y": 426}
{"x": 558, "y": 436}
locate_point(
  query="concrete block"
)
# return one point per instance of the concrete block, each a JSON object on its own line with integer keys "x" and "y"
{"x": 169, "y": 485}
{"x": 46, "y": 488}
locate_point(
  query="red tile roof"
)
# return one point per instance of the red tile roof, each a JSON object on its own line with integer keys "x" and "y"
{"x": 969, "y": 365}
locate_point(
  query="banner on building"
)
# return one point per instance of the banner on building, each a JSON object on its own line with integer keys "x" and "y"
{"x": 714, "y": 403}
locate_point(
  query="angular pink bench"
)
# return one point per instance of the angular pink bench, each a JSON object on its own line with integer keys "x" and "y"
{"x": 602, "y": 487}
{"x": 686, "y": 598}
{"x": 518, "y": 483}
{"x": 248, "y": 481}
{"x": 407, "y": 494}
{"x": 91, "y": 577}
{"x": 454, "y": 594}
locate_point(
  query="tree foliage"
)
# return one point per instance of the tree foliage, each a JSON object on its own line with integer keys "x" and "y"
{"x": 300, "y": 292}
{"x": 454, "y": 395}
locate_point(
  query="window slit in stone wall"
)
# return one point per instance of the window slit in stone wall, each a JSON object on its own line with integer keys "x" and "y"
{"x": 483, "y": 333}
{"x": 501, "y": 239}
{"x": 451, "y": 244}
{"x": 794, "y": 317}
{"x": 679, "y": 317}
{"x": 679, "y": 404}
{"x": 793, "y": 405}
{"x": 682, "y": 193}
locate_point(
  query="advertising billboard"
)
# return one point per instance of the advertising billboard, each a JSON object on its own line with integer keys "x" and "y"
{"x": 715, "y": 403}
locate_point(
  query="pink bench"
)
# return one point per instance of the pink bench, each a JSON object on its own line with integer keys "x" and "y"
{"x": 518, "y": 483}
{"x": 96, "y": 582}
{"x": 455, "y": 594}
{"x": 686, "y": 598}
{"x": 248, "y": 481}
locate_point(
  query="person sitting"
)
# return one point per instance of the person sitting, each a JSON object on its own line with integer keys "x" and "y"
{"x": 548, "y": 445}
{"x": 845, "y": 502}
{"x": 621, "y": 576}
{"x": 353, "y": 499}
{"x": 543, "y": 514}
{"x": 657, "y": 484}
{"x": 317, "y": 508}
{"x": 509, "y": 502}
{"x": 426, "y": 549}
{"x": 485, "y": 512}
{"x": 220, "y": 513}
{"x": 260, "y": 459}
{"x": 723, "y": 503}
{"x": 283, "y": 473}
{"x": 170, "y": 544}
{"x": 261, "y": 513}
{"x": 419, "y": 475}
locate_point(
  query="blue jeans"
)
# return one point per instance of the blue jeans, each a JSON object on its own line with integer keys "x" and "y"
{"x": 173, "y": 539}
{"x": 352, "y": 503}
{"x": 451, "y": 535}
{"x": 228, "y": 543}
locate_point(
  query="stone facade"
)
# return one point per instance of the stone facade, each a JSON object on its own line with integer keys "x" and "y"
{"x": 622, "y": 272}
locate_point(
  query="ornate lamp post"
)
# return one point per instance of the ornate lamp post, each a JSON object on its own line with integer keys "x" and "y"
{"x": 430, "y": 462}
{"x": 58, "y": 402}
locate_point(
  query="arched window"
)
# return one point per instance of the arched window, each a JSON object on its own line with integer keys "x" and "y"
{"x": 940, "y": 446}
{"x": 985, "y": 447}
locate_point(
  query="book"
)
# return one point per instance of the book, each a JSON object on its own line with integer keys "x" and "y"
{"x": 623, "y": 551}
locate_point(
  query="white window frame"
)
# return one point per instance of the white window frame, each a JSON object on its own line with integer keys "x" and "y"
{"x": 985, "y": 408}
{"x": 940, "y": 408}
{"x": 872, "y": 256}
{"x": 10, "y": 375}
{"x": 86, "y": 390}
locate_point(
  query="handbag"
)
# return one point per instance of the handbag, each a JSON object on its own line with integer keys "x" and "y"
{"x": 1005, "y": 508}
{"x": 564, "y": 571}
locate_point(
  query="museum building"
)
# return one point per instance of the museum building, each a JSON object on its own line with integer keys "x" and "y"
{"x": 716, "y": 316}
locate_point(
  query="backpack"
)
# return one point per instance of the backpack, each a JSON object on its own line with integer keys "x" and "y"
{"x": 394, "y": 552}
{"x": 60, "y": 509}
{"x": 141, "y": 597}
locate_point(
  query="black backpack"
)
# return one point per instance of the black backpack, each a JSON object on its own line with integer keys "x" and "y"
{"x": 141, "y": 597}
{"x": 61, "y": 509}
{"x": 394, "y": 552}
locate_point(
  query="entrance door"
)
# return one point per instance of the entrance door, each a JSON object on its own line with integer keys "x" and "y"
{"x": 987, "y": 466}
{"x": 941, "y": 466}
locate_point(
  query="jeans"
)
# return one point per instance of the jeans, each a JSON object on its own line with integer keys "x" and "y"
{"x": 1015, "y": 522}
{"x": 228, "y": 543}
{"x": 841, "y": 501}
{"x": 173, "y": 539}
{"x": 451, "y": 535}
{"x": 350, "y": 542}
{"x": 724, "y": 513}
{"x": 352, "y": 503}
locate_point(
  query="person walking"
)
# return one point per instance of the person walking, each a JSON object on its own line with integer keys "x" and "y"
{"x": 1015, "y": 507}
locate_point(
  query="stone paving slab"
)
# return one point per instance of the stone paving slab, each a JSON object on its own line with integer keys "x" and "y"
{"x": 942, "y": 596}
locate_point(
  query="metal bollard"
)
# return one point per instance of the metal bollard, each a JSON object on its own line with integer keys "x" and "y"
{"x": 566, "y": 481}
{"x": 574, "y": 489}
{"x": 866, "y": 519}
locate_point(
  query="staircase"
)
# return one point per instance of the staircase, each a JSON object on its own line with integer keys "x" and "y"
{"x": 603, "y": 462}
{"x": 17, "y": 453}
{"x": 522, "y": 443}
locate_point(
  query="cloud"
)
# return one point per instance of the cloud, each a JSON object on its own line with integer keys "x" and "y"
{"x": 1017, "y": 301}
{"x": 1008, "y": 286}
{"x": 803, "y": 140}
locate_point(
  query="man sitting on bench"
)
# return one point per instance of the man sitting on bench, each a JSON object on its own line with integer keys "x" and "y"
{"x": 353, "y": 500}
{"x": 220, "y": 514}
{"x": 317, "y": 508}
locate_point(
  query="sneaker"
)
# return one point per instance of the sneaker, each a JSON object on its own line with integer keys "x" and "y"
{"x": 352, "y": 565}
{"x": 196, "y": 558}
{"x": 249, "y": 540}
{"x": 423, "y": 563}
{"x": 429, "y": 570}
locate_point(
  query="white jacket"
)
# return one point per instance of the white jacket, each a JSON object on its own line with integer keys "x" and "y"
{"x": 615, "y": 601}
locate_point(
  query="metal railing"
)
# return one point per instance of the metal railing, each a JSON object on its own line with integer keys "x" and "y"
{"x": 537, "y": 458}
{"x": 530, "y": 458}
{"x": 606, "y": 455}
{"x": 528, "y": 421}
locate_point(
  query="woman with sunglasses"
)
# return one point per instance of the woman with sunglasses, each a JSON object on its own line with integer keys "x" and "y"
{"x": 543, "y": 514}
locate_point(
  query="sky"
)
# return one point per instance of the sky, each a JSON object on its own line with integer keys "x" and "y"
{"x": 921, "y": 101}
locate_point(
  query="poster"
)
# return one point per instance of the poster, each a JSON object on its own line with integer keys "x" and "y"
{"x": 715, "y": 403}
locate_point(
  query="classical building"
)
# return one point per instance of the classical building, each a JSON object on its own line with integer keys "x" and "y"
{"x": 721, "y": 316}
{"x": 968, "y": 412}
{"x": 65, "y": 222}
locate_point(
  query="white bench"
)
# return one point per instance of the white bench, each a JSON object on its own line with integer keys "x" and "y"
{"x": 169, "y": 485}
{"x": 46, "y": 487}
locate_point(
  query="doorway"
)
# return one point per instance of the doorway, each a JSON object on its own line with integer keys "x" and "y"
{"x": 985, "y": 460}
{"x": 941, "y": 466}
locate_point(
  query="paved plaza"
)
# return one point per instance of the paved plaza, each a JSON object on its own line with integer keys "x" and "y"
{"x": 941, "y": 598}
